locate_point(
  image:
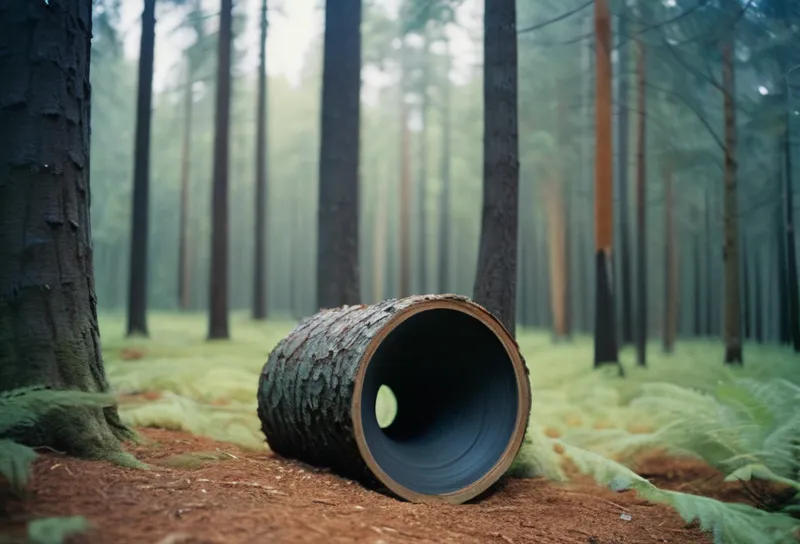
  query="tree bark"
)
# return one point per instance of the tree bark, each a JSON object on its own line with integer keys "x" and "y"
{"x": 605, "y": 341}
{"x": 337, "y": 264}
{"x": 641, "y": 209}
{"x": 622, "y": 177}
{"x": 313, "y": 386}
{"x": 556, "y": 230}
{"x": 791, "y": 251}
{"x": 784, "y": 322}
{"x": 670, "y": 266}
{"x": 49, "y": 335}
{"x": 422, "y": 178}
{"x": 405, "y": 180}
{"x": 184, "y": 274}
{"x": 744, "y": 264}
{"x": 698, "y": 279}
{"x": 218, "y": 284}
{"x": 732, "y": 312}
{"x": 137, "y": 280}
{"x": 710, "y": 283}
{"x": 444, "y": 197}
{"x": 496, "y": 278}
{"x": 260, "y": 245}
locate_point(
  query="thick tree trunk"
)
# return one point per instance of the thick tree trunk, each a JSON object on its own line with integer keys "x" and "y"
{"x": 405, "y": 180}
{"x": 605, "y": 337}
{"x": 337, "y": 264}
{"x": 218, "y": 284}
{"x": 670, "y": 266}
{"x": 791, "y": 252}
{"x": 260, "y": 238}
{"x": 641, "y": 209}
{"x": 496, "y": 277}
{"x": 184, "y": 268}
{"x": 732, "y": 312}
{"x": 422, "y": 177}
{"x": 444, "y": 197}
{"x": 49, "y": 334}
{"x": 622, "y": 177}
{"x": 137, "y": 278}
{"x": 317, "y": 396}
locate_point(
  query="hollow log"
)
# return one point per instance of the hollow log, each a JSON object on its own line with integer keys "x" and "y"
{"x": 460, "y": 384}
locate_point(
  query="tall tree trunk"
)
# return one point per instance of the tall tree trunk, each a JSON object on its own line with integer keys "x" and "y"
{"x": 184, "y": 268}
{"x": 670, "y": 266}
{"x": 496, "y": 277}
{"x": 137, "y": 277}
{"x": 746, "y": 316}
{"x": 556, "y": 231}
{"x": 260, "y": 238}
{"x": 564, "y": 185}
{"x": 711, "y": 285}
{"x": 422, "y": 178}
{"x": 49, "y": 335}
{"x": 379, "y": 239}
{"x": 337, "y": 264}
{"x": 622, "y": 179}
{"x": 444, "y": 197}
{"x": 784, "y": 322}
{"x": 758, "y": 308}
{"x": 605, "y": 337}
{"x": 791, "y": 252}
{"x": 641, "y": 209}
{"x": 732, "y": 311}
{"x": 218, "y": 284}
{"x": 405, "y": 180}
{"x": 698, "y": 281}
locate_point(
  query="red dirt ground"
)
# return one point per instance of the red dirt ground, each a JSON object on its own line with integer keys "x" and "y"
{"x": 258, "y": 497}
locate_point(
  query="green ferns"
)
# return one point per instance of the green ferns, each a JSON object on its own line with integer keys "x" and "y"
{"x": 21, "y": 408}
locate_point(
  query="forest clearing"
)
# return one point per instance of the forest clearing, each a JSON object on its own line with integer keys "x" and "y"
{"x": 213, "y": 479}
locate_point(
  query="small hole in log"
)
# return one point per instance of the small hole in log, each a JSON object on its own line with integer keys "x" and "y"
{"x": 385, "y": 406}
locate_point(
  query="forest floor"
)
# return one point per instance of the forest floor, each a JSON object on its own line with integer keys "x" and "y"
{"x": 203, "y": 491}
{"x": 213, "y": 480}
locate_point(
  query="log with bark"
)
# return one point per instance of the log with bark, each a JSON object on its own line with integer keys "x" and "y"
{"x": 460, "y": 383}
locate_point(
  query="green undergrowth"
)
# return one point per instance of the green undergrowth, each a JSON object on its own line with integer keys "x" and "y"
{"x": 743, "y": 421}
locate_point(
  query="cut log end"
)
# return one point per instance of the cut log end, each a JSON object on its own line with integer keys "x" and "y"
{"x": 461, "y": 388}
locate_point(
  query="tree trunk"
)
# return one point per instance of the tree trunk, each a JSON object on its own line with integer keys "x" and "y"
{"x": 743, "y": 264}
{"x": 317, "y": 396}
{"x": 758, "y": 308}
{"x": 49, "y": 335}
{"x": 732, "y": 312}
{"x": 260, "y": 238}
{"x": 698, "y": 280}
{"x": 184, "y": 268}
{"x": 556, "y": 230}
{"x": 444, "y": 197}
{"x": 496, "y": 277}
{"x": 218, "y": 284}
{"x": 791, "y": 252}
{"x": 622, "y": 177}
{"x": 137, "y": 279}
{"x": 337, "y": 266}
{"x": 784, "y": 322}
{"x": 379, "y": 239}
{"x": 422, "y": 180}
{"x": 605, "y": 337}
{"x": 670, "y": 266}
{"x": 710, "y": 283}
{"x": 405, "y": 180}
{"x": 641, "y": 209}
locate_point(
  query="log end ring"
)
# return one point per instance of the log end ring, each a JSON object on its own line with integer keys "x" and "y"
{"x": 463, "y": 401}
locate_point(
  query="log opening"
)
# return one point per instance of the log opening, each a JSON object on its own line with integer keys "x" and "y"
{"x": 460, "y": 385}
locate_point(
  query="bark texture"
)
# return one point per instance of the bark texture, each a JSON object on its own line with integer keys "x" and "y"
{"x": 137, "y": 279}
{"x": 605, "y": 341}
{"x": 732, "y": 312}
{"x": 260, "y": 246}
{"x": 48, "y": 310}
{"x": 496, "y": 278}
{"x": 305, "y": 390}
{"x": 218, "y": 284}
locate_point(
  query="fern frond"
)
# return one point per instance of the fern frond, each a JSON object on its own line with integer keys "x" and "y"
{"x": 55, "y": 530}
{"x": 24, "y": 406}
{"x": 729, "y": 523}
{"x": 15, "y": 463}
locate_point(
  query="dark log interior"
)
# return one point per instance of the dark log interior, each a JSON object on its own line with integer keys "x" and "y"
{"x": 457, "y": 402}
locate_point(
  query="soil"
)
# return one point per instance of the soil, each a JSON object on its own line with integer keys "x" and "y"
{"x": 238, "y": 496}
